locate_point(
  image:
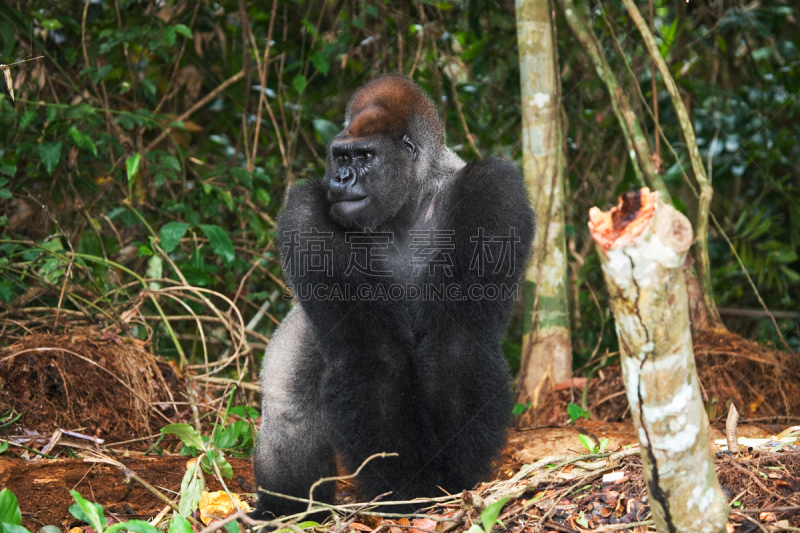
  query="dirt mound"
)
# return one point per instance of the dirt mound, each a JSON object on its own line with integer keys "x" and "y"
{"x": 81, "y": 380}
{"x": 762, "y": 382}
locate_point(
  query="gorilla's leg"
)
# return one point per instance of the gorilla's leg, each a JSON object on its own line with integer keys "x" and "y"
{"x": 292, "y": 450}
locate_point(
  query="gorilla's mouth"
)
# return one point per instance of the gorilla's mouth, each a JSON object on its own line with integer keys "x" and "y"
{"x": 347, "y": 207}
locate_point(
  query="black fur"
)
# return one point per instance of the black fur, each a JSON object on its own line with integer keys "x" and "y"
{"x": 422, "y": 378}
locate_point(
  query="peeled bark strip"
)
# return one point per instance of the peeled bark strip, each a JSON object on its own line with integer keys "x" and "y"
{"x": 642, "y": 244}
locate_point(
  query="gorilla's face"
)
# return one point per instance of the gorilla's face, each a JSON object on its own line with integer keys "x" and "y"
{"x": 369, "y": 181}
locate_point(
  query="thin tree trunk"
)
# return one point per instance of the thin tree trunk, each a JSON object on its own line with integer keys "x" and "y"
{"x": 642, "y": 244}
{"x": 639, "y": 148}
{"x": 706, "y": 191}
{"x": 546, "y": 345}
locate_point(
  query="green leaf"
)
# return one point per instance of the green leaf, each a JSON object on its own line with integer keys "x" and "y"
{"x": 242, "y": 176}
{"x": 220, "y": 242}
{"x": 575, "y": 412}
{"x": 171, "y": 235}
{"x": 155, "y": 270}
{"x": 587, "y": 442}
{"x": 603, "y": 445}
{"x": 325, "y": 129}
{"x": 490, "y": 514}
{"x": 521, "y": 408}
{"x": 11, "y": 528}
{"x": 9, "y": 508}
{"x": 4, "y": 444}
{"x": 244, "y": 411}
{"x": 82, "y": 141}
{"x": 86, "y": 511}
{"x": 179, "y": 524}
{"x": 52, "y": 24}
{"x": 191, "y": 487}
{"x": 50, "y": 154}
{"x": 227, "y": 437}
{"x": 225, "y": 467}
{"x": 186, "y": 433}
{"x": 170, "y": 162}
{"x": 132, "y": 167}
{"x": 320, "y": 63}
{"x": 299, "y": 83}
{"x": 100, "y": 74}
{"x": 227, "y": 197}
{"x": 137, "y": 526}
{"x": 169, "y": 35}
{"x": 79, "y": 111}
{"x": 184, "y": 30}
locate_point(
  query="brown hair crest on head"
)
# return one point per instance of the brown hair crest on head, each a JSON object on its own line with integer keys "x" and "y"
{"x": 393, "y": 104}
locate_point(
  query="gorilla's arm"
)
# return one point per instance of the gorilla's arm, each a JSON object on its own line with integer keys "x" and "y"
{"x": 293, "y": 450}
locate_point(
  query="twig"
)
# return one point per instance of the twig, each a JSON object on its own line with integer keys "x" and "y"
{"x": 189, "y": 112}
{"x": 320, "y": 481}
{"x": 620, "y": 527}
{"x": 319, "y": 506}
{"x": 758, "y": 524}
{"x": 32, "y": 450}
{"x": 263, "y": 68}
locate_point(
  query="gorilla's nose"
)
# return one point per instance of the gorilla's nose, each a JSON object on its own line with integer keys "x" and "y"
{"x": 345, "y": 176}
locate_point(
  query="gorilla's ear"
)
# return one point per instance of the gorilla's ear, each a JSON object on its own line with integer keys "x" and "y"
{"x": 413, "y": 147}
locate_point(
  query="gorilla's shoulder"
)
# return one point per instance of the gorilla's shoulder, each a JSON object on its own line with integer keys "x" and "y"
{"x": 490, "y": 192}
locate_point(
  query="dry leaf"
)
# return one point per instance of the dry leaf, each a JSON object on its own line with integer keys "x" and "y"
{"x": 423, "y": 523}
{"x": 9, "y": 82}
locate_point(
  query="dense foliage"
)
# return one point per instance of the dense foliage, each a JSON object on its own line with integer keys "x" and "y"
{"x": 110, "y": 190}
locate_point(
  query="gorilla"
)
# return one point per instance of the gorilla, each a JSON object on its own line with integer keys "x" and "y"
{"x": 404, "y": 262}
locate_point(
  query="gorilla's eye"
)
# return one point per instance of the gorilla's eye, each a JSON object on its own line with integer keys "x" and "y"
{"x": 368, "y": 155}
{"x": 344, "y": 158}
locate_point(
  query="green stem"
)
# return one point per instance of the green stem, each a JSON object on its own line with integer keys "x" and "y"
{"x": 706, "y": 190}
{"x": 639, "y": 149}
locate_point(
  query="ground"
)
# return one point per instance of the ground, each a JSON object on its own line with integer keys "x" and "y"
{"x": 82, "y": 383}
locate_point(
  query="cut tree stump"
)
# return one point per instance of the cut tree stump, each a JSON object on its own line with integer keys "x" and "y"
{"x": 642, "y": 243}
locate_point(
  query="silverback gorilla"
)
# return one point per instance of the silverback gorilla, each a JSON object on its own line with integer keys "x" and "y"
{"x": 404, "y": 262}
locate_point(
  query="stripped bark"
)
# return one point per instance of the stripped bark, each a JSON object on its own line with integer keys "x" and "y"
{"x": 642, "y": 244}
{"x": 546, "y": 344}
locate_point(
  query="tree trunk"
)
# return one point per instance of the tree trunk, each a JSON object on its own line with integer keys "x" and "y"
{"x": 546, "y": 345}
{"x": 642, "y": 244}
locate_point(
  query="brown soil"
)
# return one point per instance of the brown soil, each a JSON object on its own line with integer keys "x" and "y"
{"x": 106, "y": 387}
{"x": 109, "y": 388}
{"x": 762, "y": 382}
{"x": 42, "y": 487}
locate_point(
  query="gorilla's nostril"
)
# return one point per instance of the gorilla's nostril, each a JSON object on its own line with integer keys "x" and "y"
{"x": 345, "y": 175}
